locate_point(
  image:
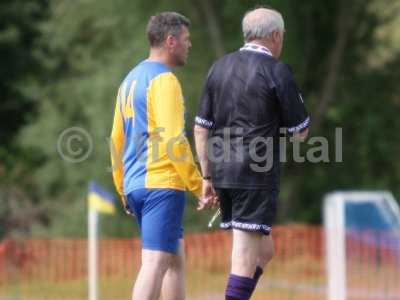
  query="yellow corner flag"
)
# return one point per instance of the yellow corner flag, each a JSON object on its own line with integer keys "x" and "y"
{"x": 100, "y": 200}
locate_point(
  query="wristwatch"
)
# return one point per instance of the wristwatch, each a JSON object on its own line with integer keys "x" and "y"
{"x": 207, "y": 177}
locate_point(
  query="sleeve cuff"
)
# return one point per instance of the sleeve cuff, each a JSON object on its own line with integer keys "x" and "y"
{"x": 203, "y": 122}
{"x": 300, "y": 127}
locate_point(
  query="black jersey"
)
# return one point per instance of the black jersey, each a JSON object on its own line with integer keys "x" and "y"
{"x": 248, "y": 96}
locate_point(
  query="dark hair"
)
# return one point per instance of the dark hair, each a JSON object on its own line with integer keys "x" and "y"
{"x": 165, "y": 23}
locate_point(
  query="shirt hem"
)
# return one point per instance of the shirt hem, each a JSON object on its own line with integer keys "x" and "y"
{"x": 170, "y": 187}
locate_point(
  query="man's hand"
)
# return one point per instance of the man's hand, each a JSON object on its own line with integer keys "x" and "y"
{"x": 126, "y": 206}
{"x": 209, "y": 198}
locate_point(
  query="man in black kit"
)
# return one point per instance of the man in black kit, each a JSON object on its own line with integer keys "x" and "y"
{"x": 248, "y": 96}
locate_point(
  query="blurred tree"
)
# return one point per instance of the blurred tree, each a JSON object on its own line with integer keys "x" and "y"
{"x": 348, "y": 89}
{"x": 20, "y": 73}
{"x": 20, "y": 67}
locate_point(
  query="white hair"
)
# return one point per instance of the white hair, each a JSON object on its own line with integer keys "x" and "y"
{"x": 260, "y": 23}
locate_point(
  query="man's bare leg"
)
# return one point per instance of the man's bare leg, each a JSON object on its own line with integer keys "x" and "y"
{"x": 266, "y": 254}
{"x": 173, "y": 286}
{"x": 266, "y": 251}
{"x": 250, "y": 254}
{"x": 245, "y": 252}
{"x": 149, "y": 281}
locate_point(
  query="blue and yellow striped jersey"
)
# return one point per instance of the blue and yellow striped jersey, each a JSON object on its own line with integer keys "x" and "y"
{"x": 148, "y": 145}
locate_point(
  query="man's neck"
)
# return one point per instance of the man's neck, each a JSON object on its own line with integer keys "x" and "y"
{"x": 263, "y": 43}
{"x": 159, "y": 55}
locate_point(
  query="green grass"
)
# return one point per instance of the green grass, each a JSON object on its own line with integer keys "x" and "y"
{"x": 200, "y": 285}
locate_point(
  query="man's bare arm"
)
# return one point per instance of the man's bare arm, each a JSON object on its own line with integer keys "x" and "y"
{"x": 200, "y": 137}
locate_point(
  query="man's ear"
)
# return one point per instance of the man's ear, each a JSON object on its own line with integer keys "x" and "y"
{"x": 276, "y": 36}
{"x": 170, "y": 41}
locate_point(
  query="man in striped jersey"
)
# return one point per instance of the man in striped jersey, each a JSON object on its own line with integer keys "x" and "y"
{"x": 152, "y": 161}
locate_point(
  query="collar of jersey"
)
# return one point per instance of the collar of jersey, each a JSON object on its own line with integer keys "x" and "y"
{"x": 256, "y": 48}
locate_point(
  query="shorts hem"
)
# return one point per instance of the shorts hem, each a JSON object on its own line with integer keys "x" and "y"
{"x": 265, "y": 229}
{"x": 173, "y": 250}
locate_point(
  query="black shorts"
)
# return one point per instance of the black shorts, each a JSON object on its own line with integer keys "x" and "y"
{"x": 246, "y": 209}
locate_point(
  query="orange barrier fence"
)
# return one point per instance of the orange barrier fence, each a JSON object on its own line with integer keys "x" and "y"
{"x": 57, "y": 268}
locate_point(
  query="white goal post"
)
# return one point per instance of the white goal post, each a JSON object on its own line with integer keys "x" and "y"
{"x": 334, "y": 214}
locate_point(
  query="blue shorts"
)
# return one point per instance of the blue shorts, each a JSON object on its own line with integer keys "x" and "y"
{"x": 159, "y": 213}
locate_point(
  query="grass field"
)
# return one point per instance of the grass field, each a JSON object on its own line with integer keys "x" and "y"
{"x": 200, "y": 285}
{"x": 210, "y": 286}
